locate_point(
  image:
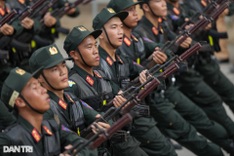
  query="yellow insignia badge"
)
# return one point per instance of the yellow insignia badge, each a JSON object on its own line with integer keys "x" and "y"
{"x": 20, "y": 71}
{"x": 110, "y": 10}
{"x": 53, "y": 50}
{"x": 82, "y": 28}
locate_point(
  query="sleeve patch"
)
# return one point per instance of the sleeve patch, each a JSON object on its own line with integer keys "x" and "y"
{"x": 71, "y": 83}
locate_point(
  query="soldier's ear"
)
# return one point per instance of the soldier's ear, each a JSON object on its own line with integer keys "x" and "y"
{"x": 40, "y": 79}
{"x": 19, "y": 102}
{"x": 145, "y": 7}
{"x": 102, "y": 35}
{"x": 74, "y": 55}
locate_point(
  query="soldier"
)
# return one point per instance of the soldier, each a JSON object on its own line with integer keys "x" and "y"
{"x": 51, "y": 25}
{"x": 120, "y": 70}
{"x": 208, "y": 67}
{"x": 190, "y": 111}
{"x": 30, "y": 100}
{"x": 200, "y": 89}
{"x": 72, "y": 112}
{"x": 91, "y": 85}
{"x": 6, "y": 30}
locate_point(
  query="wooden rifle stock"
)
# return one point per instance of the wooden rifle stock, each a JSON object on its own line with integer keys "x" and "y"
{"x": 8, "y": 17}
{"x": 25, "y": 13}
{"x": 97, "y": 139}
{"x": 61, "y": 12}
{"x": 30, "y": 9}
{"x": 47, "y": 7}
{"x": 119, "y": 124}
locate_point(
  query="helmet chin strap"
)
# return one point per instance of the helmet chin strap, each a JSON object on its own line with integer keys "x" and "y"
{"x": 27, "y": 103}
{"x": 57, "y": 89}
{"x": 82, "y": 58}
{"x": 109, "y": 38}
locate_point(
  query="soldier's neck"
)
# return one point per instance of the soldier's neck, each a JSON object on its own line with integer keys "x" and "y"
{"x": 34, "y": 118}
{"x": 59, "y": 93}
{"x": 109, "y": 50}
{"x": 127, "y": 31}
{"x": 152, "y": 19}
{"x": 86, "y": 68}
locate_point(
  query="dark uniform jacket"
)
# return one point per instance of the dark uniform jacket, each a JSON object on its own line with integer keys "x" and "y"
{"x": 72, "y": 112}
{"x": 50, "y": 142}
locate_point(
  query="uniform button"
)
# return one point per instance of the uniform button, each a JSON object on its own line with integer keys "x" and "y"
{"x": 148, "y": 141}
{"x": 197, "y": 92}
{"x": 170, "y": 124}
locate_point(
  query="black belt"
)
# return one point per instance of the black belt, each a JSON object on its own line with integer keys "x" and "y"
{"x": 120, "y": 136}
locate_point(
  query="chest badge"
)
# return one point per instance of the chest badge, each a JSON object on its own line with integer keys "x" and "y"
{"x": 62, "y": 104}
{"x": 127, "y": 41}
{"x": 89, "y": 80}
{"x": 109, "y": 61}
{"x": 47, "y": 130}
{"x": 36, "y": 135}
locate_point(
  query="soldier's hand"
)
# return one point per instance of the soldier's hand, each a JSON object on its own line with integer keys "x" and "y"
{"x": 186, "y": 43}
{"x": 71, "y": 10}
{"x": 119, "y": 99}
{"x": 99, "y": 126}
{"x": 7, "y": 29}
{"x": 159, "y": 57}
{"x": 208, "y": 27}
{"x": 27, "y": 23}
{"x": 66, "y": 148}
{"x": 49, "y": 20}
{"x": 143, "y": 76}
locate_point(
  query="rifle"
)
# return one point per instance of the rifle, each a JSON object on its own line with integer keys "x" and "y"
{"x": 62, "y": 11}
{"x": 46, "y": 8}
{"x": 205, "y": 13}
{"x": 26, "y": 12}
{"x": 155, "y": 81}
{"x": 200, "y": 24}
{"x": 97, "y": 139}
{"x": 137, "y": 94}
{"x": 8, "y": 17}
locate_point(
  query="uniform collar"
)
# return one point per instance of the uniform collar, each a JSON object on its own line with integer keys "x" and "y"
{"x": 59, "y": 101}
{"x": 128, "y": 41}
{"x": 33, "y": 131}
{"x": 104, "y": 55}
{"x": 86, "y": 76}
{"x": 150, "y": 26}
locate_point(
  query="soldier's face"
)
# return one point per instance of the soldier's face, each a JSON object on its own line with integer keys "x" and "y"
{"x": 57, "y": 76}
{"x": 159, "y": 7}
{"x": 89, "y": 51}
{"x": 114, "y": 29}
{"x": 36, "y": 95}
{"x": 132, "y": 19}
